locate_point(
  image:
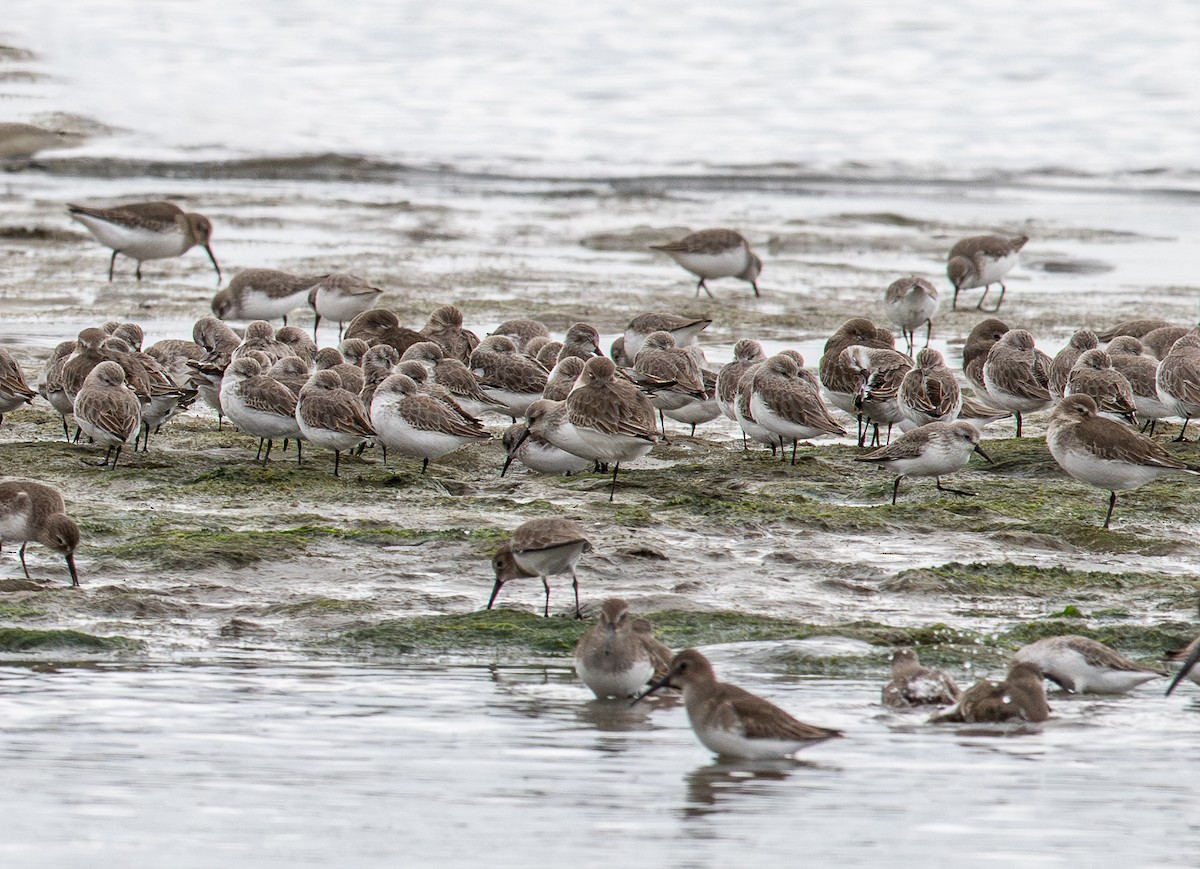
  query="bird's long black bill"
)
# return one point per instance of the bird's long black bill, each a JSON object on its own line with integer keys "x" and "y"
{"x": 664, "y": 682}
{"x": 979, "y": 450}
{"x": 71, "y": 569}
{"x": 208, "y": 250}
{"x": 1185, "y": 669}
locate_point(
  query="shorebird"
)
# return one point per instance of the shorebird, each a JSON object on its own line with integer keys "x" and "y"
{"x": 730, "y": 721}
{"x": 1084, "y": 666}
{"x": 929, "y": 391}
{"x": 146, "y": 230}
{"x": 975, "y": 351}
{"x": 611, "y": 416}
{"x": 914, "y": 685}
{"x": 331, "y": 359}
{"x": 562, "y": 379}
{"x": 980, "y": 261}
{"x": 1065, "y": 359}
{"x": 542, "y": 548}
{"x": 1161, "y": 341}
{"x": 51, "y": 386}
{"x": 340, "y": 297}
{"x": 32, "y": 511}
{"x": 1016, "y": 375}
{"x": 616, "y": 659}
{"x": 1178, "y": 380}
{"x": 673, "y": 379}
{"x": 507, "y": 376}
{"x": 259, "y": 405}
{"x": 107, "y": 411}
{"x": 683, "y": 329}
{"x": 715, "y": 253}
{"x": 381, "y": 326}
{"x": 1132, "y": 329}
{"x": 1021, "y": 696}
{"x": 330, "y": 416}
{"x": 549, "y": 422}
{"x": 19, "y": 142}
{"x": 1095, "y": 376}
{"x": 414, "y": 424}
{"x": 582, "y": 341}
{"x": 786, "y": 401}
{"x": 839, "y": 376}
{"x": 1189, "y": 656}
{"x": 746, "y": 354}
{"x": 537, "y": 453}
{"x": 702, "y": 410}
{"x": 1104, "y": 453}
{"x": 14, "y": 391}
{"x": 262, "y": 294}
{"x": 445, "y": 327}
{"x": 880, "y": 372}
{"x": 911, "y": 303}
{"x": 521, "y": 331}
{"x": 929, "y": 451}
{"x": 1142, "y": 372}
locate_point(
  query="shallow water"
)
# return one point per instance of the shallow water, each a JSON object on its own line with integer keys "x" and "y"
{"x": 299, "y": 763}
{"x": 849, "y": 155}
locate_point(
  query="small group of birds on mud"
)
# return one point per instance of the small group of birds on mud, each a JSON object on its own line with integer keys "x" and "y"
{"x": 421, "y": 393}
{"x": 619, "y": 657}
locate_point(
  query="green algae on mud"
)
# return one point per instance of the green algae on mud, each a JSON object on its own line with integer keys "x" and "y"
{"x": 30, "y": 640}
{"x": 1006, "y": 579}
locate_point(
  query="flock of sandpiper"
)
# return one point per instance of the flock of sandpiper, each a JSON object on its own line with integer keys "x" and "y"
{"x": 422, "y": 393}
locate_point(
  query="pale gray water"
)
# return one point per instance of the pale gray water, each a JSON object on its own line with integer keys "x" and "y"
{"x": 580, "y": 87}
{"x": 295, "y": 763}
{"x": 812, "y": 119}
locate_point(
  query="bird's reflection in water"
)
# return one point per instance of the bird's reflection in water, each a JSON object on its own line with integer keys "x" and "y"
{"x": 709, "y": 785}
{"x": 619, "y": 715}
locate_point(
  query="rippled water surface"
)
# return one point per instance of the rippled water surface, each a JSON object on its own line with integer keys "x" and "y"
{"x": 294, "y": 763}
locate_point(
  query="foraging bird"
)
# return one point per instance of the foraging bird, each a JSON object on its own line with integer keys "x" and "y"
{"x": 914, "y": 685}
{"x": 980, "y": 261}
{"x": 146, "y": 231}
{"x": 929, "y": 451}
{"x": 730, "y": 721}
{"x": 32, "y": 511}
{"x": 715, "y": 253}
{"x": 1021, "y": 696}
{"x": 542, "y": 548}
{"x": 1084, "y": 666}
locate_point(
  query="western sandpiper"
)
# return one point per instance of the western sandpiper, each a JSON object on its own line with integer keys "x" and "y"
{"x": 699, "y": 412}
{"x": 262, "y": 294}
{"x": 1187, "y": 670}
{"x": 340, "y": 297}
{"x": 746, "y": 354}
{"x": 1106, "y": 454}
{"x": 34, "y": 512}
{"x": 381, "y": 326}
{"x": 911, "y": 303}
{"x": 880, "y": 372}
{"x": 107, "y": 411}
{"x": 563, "y": 378}
{"x": 146, "y": 231}
{"x": 51, "y": 384}
{"x": 542, "y": 548}
{"x": 1178, "y": 380}
{"x": 331, "y": 417}
{"x": 730, "y": 721}
{"x": 1016, "y": 375}
{"x": 507, "y": 376}
{"x": 445, "y": 327}
{"x": 1095, "y": 376}
{"x": 1132, "y": 329}
{"x": 980, "y": 261}
{"x": 975, "y": 351}
{"x": 841, "y": 379}
{"x": 259, "y": 405}
{"x": 914, "y": 685}
{"x": 1021, "y": 696}
{"x": 331, "y": 359}
{"x": 1160, "y": 342}
{"x": 414, "y": 424}
{"x": 1065, "y": 359}
{"x": 582, "y": 341}
{"x": 14, "y": 391}
{"x": 1141, "y": 371}
{"x": 673, "y": 377}
{"x": 683, "y": 329}
{"x": 929, "y": 451}
{"x": 929, "y": 391}
{"x": 550, "y": 421}
{"x": 615, "y": 659}
{"x": 786, "y": 401}
{"x": 538, "y": 454}
{"x": 715, "y": 253}
{"x": 1084, "y": 666}
{"x": 611, "y": 416}
{"x": 521, "y": 331}
{"x": 19, "y": 142}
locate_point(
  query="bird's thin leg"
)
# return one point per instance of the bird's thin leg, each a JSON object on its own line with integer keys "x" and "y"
{"x": 116, "y": 457}
{"x": 546, "y": 585}
{"x": 112, "y": 262}
{"x": 23, "y": 567}
{"x": 979, "y": 307}
{"x": 613, "y": 489}
{"x": 928, "y": 330}
{"x": 267, "y": 455}
{"x": 896, "y": 489}
{"x": 1112, "y": 502}
{"x": 337, "y": 458}
{"x": 258, "y": 455}
{"x": 794, "y": 452}
{"x": 1017, "y": 414}
{"x": 942, "y": 488}
{"x": 424, "y": 465}
{"x": 575, "y": 584}
{"x": 1183, "y": 430}
{"x": 316, "y": 323}
{"x": 138, "y": 271}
